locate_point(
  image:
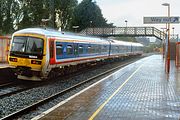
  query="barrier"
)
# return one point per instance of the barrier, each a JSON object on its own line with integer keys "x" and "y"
{"x": 4, "y": 48}
{"x": 177, "y": 61}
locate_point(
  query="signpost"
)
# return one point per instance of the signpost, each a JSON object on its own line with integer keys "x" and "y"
{"x": 161, "y": 20}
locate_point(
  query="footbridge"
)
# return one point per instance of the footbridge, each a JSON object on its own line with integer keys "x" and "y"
{"x": 124, "y": 31}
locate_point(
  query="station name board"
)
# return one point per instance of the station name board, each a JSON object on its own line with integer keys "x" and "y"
{"x": 161, "y": 20}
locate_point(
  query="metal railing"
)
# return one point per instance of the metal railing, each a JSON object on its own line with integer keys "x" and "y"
{"x": 124, "y": 31}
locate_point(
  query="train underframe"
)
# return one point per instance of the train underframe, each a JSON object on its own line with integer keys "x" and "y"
{"x": 65, "y": 70}
{"x": 26, "y": 73}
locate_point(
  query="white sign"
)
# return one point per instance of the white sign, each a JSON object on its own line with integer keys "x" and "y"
{"x": 161, "y": 20}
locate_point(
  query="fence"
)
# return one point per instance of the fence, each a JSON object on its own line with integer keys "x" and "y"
{"x": 4, "y": 48}
{"x": 178, "y": 54}
{"x": 124, "y": 31}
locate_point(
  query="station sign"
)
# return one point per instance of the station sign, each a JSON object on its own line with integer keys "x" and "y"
{"x": 161, "y": 20}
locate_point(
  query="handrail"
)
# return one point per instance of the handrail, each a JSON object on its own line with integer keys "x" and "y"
{"x": 124, "y": 31}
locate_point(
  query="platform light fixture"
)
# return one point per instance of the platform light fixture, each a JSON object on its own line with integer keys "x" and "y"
{"x": 166, "y": 4}
{"x": 90, "y": 23}
{"x": 173, "y": 32}
{"x": 126, "y": 22}
{"x": 75, "y": 28}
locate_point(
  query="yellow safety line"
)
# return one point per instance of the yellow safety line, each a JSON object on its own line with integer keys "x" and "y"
{"x": 102, "y": 106}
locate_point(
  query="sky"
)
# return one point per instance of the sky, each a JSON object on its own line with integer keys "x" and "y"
{"x": 117, "y": 11}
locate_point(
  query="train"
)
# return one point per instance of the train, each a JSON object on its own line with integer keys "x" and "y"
{"x": 39, "y": 53}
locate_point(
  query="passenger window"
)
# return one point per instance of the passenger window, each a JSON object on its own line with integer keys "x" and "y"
{"x": 104, "y": 48}
{"x": 96, "y": 49}
{"x": 89, "y": 49}
{"x": 59, "y": 50}
{"x": 99, "y": 49}
{"x": 69, "y": 50}
{"x": 80, "y": 49}
{"x": 117, "y": 49}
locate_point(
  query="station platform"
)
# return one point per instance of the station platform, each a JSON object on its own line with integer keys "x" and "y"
{"x": 139, "y": 91}
{"x": 6, "y": 73}
{"x": 3, "y": 65}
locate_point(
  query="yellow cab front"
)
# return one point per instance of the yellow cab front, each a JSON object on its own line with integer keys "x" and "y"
{"x": 27, "y": 55}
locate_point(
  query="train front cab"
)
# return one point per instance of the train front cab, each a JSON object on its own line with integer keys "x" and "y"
{"x": 27, "y": 55}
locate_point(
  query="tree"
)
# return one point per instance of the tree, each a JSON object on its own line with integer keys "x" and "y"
{"x": 1, "y": 15}
{"x": 59, "y": 11}
{"x": 64, "y": 12}
{"x": 33, "y": 11}
{"x": 16, "y": 14}
{"x": 7, "y": 24}
{"x": 19, "y": 14}
{"x": 88, "y": 14}
{"x": 9, "y": 11}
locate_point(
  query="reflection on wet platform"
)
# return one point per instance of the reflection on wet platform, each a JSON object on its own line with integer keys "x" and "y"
{"x": 139, "y": 91}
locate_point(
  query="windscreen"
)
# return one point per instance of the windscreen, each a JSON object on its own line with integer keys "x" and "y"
{"x": 18, "y": 44}
{"x": 27, "y": 45}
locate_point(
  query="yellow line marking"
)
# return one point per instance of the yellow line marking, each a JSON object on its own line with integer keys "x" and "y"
{"x": 102, "y": 106}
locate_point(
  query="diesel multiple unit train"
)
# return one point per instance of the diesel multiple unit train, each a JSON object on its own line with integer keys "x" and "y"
{"x": 37, "y": 53}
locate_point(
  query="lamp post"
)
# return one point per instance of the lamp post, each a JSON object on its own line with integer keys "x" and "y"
{"x": 90, "y": 23}
{"x": 173, "y": 33}
{"x": 163, "y": 42}
{"x": 44, "y": 22}
{"x": 126, "y": 26}
{"x": 126, "y": 22}
{"x": 168, "y": 52}
{"x": 75, "y": 28}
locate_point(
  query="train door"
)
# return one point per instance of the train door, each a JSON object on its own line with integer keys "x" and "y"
{"x": 76, "y": 53}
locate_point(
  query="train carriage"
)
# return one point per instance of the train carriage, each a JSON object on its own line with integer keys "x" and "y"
{"x": 35, "y": 52}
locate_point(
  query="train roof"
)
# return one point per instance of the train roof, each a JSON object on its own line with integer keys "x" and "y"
{"x": 65, "y": 35}
{"x": 55, "y": 33}
{"x": 137, "y": 44}
{"x": 125, "y": 43}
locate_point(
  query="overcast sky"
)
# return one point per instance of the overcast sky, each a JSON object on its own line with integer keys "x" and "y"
{"x": 117, "y": 11}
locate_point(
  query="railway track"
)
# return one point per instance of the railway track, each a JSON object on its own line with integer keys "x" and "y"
{"x": 6, "y": 84}
{"x": 12, "y": 88}
{"x": 34, "y": 106}
{"x": 17, "y": 90}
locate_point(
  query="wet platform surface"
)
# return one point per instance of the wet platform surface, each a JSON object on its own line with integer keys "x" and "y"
{"x": 139, "y": 91}
{"x": 3, "y": 65}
